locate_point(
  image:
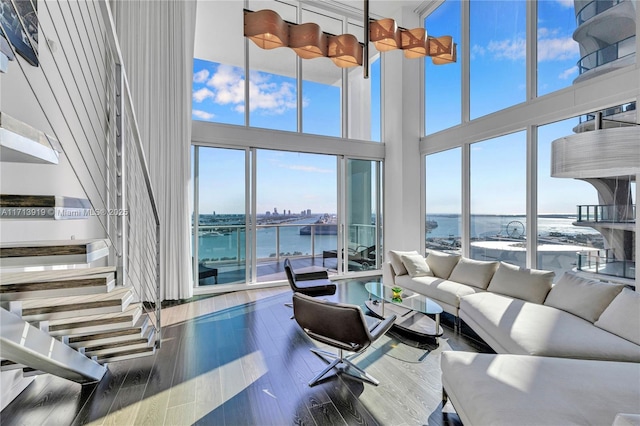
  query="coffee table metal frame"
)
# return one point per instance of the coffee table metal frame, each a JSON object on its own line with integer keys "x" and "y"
{"x": 411, "y": 312}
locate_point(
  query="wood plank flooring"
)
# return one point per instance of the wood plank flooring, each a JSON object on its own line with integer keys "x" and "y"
{"x": 237, "y": 359}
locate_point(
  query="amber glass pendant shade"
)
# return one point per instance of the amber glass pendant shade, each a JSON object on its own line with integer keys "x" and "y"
{"x": 414, "y": 43}
{"x": 308, "y": 40}
{"x": 384, "y": 34}
{"x": 345, "y": 51}
{"x": 266, "y": 29}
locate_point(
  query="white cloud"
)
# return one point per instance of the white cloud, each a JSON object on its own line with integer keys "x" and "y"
{"x": 568, "y": 73}
{"x": 557, "y": 49}
{"x": 508, "y": 49}
{"x": 201, "y": 76}
{"x": 226, "y": 87}
{"x": 566, "y": 3}
{"x": 477, "y": 50}
{"x": 202, "y": 94}
{"x": 202, "y": 114}
{"x": 228, "y": 83}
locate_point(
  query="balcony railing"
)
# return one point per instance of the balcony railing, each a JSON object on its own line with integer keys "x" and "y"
{"x": 607, "y": 54}
{"x": 607, "y": 213}
{"x": 223, "y": 246}
{"x": 603, "y": 262}
{"x": 594, "y": 8}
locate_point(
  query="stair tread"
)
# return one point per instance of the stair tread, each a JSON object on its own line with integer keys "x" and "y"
{"x": 25, "y": 249}
{"x": 52, "y": 275}
{"x": 87, "y": 300}
{"x": 20, "y": 200}
{"x": 127, "y": 312}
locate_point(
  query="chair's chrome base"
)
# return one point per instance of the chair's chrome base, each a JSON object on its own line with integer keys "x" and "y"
{"x": 342, "y": 365}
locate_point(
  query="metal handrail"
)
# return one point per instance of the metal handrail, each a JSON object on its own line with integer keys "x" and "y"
{"x": 609, "y": 213}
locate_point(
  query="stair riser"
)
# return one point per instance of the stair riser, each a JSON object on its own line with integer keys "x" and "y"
{"x": 132, "y": 334}
{"x": 71, "y": 311}
{"x": 72, "y": 259}
{"x": 129, "y": 321}
{"x": 74, "y": 313}
{"x": 147, "y": 352}
{"x": 59, "y": 292}
{"x": 143, "y": 343}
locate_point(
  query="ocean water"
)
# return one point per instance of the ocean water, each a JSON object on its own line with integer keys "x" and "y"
{"x": 291, "y": 242}
{"x": 486, "y": 226}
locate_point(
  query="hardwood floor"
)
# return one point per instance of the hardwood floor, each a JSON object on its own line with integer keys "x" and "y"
{"x": 237, "y": 359}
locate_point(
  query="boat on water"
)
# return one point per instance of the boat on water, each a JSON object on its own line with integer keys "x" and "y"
{"x": 325, "y": 225}
{"x": 431, "y": 225}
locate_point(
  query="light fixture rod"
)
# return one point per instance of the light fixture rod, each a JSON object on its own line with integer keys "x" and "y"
{"x": 365, "y": 52}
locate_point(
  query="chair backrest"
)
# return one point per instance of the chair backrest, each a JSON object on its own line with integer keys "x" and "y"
{"x": 337, "y": 324}
{"x": 291, "y": 276}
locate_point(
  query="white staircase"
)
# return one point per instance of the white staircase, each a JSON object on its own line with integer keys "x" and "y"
{"x": 67, "y": 322}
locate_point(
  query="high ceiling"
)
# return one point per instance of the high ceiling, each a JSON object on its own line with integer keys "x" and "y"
{"x": 219, "y": 31}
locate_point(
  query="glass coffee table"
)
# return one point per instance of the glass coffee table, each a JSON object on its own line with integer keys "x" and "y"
{"x": 411, "y": 309}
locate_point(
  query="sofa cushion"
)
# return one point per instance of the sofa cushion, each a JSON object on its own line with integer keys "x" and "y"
{"x": 396, "y": 261}
{"x": 442, "y": 264}
{"x": 490, "y": 389}
{"x": 445, "y": 291}
{"x": 477, "y": 273}
{"x": 531, "y": 285}
{"x": 622, "y": 316}
{"x": 416, "y": 265}
{"x": 582, "y": 297}
{"x": 515, "y": 326}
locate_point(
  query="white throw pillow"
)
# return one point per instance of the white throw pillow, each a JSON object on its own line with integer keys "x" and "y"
{"x": 396, "y": 261}
{"x": 531, "y": 285}
{"x": 441, "y": 264}
{"x": 416, "y": 265}
{"x": 581, "y": 297}
{"x": 622, "y": 316}
{"x": 476, "y": 273}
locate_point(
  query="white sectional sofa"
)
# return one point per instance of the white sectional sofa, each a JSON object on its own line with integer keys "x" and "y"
{"x": 519, "y": 311}
{"x": 489, "y": 389}
{"x": 566, "y": 353}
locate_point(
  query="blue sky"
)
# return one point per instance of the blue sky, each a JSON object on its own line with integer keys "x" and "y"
{"x": 497, "y": 65}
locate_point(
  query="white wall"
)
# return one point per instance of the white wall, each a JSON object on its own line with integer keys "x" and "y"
{"x": 56, "y": 97}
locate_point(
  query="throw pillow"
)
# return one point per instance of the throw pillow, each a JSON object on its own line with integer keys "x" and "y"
{"x": 581, "y": 297}
{"x": 396, "y": 261}
{"x": 621, "y": 316}
{"x": 476, "y": 273}
{"x": 416, "y": 265}
{"x": 441, "y": 264}
{"x": 531, "y": 285}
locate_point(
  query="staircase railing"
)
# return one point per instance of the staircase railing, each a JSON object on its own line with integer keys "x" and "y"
{"x": 138, "y": 220}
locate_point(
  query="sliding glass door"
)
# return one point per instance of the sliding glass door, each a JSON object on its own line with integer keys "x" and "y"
{"x": 362, "y": 215}
{"x": 252, "y": 208}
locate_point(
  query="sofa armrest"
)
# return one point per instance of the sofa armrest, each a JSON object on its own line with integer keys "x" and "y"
{"x": 388, "y": 274}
